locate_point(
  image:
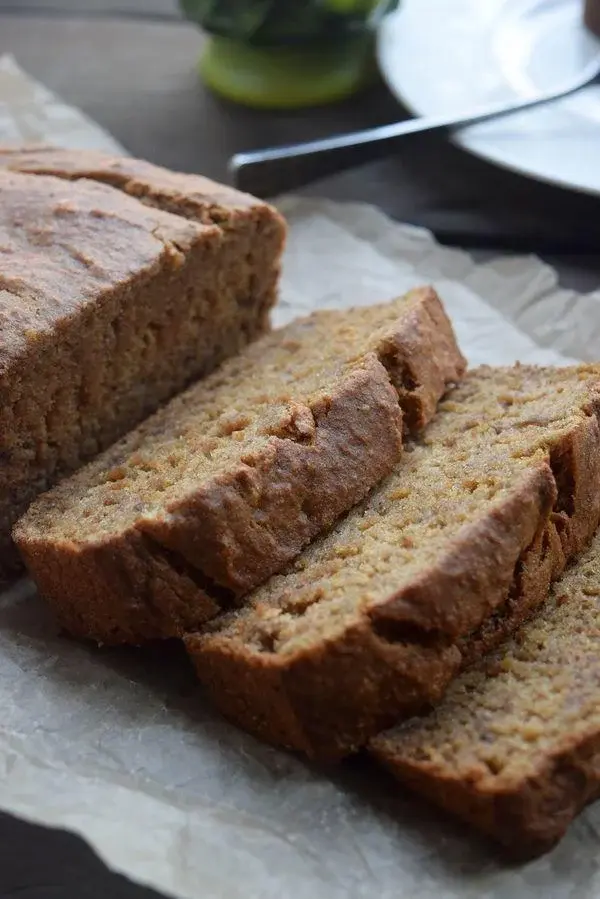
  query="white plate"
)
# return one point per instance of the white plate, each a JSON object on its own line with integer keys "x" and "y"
{"x": 446, "y": 56}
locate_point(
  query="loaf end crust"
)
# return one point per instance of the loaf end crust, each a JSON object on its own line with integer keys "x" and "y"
{"x": 109, "y": 306}
{"x": 514, "y": 748}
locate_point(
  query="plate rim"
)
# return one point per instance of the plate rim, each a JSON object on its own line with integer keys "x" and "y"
{"x": 461, "y": 139}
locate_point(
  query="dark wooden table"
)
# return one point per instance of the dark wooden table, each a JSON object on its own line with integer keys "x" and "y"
{"x": 130, "y": 64}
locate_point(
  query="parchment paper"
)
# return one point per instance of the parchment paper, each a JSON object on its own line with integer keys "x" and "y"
{"x": 120, "y": 746}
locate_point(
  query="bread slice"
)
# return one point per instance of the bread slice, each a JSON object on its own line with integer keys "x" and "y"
{"x": 107, "y": 309}
{"x": 466, "y": 535}
{"x": 227, "y": 483}
{"x": 514, "y": 748}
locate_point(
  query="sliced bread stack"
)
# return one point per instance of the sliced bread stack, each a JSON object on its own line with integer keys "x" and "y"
{"x": 228, "y": 482}
{"x": 337, "y": 556}
{"x": 443, "y": 559}
{"x": 447, "y": 567}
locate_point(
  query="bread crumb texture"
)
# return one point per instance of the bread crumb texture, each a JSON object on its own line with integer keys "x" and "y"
{"x": 449, "y": 552}
{"x": 229, "y": 481}
{"x": 515, "y": 745}
{"x": 109, "y": 306}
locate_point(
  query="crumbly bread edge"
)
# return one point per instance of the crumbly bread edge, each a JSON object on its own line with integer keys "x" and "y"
{"x": 230, "y": 219}
{"x": 142, "y": 586}
{"x": 328, "y": 701}
{"x": 528, "y": 817}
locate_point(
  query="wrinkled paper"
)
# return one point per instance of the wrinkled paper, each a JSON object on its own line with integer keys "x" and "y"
{"x": 119, "y": 745}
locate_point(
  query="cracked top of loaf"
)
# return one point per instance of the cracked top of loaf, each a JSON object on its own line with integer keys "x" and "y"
{"x": 64, "y": 244}
{"x": 193, "y": 196}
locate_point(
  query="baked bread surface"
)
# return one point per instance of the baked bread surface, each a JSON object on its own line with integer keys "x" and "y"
{"x": 108, "y": 307}
{"x": 514, "y": 748}
{"x": 441, "y": 560}
{"x": 227, "y": 483}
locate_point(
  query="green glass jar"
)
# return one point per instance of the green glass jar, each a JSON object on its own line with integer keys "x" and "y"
{"x": 285, "y": 54}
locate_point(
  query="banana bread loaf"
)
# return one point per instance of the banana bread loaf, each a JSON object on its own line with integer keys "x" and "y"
{"x": 514, "y": 748}
{"x": 465, "y": 536}
{"x": 227, "y": 483}
{"x": 107, "y": 309}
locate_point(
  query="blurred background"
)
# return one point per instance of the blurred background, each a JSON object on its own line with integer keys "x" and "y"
{"x": 133, "y": 66}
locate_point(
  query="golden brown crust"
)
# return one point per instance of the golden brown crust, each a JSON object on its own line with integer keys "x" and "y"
{"x": 304, "y": 488}
{"x": 341, "y": 692}
{"x": 187, "y": 195}
{"x": 204, "y": 200}
{"x": 129, "y": 592}
{"x": 575, "y": 464}
{"x": 301, "y": 487}
{"x": 328, "y": 697}
{"x": 64, "y": 246}
{"x": 421, "y": 358}
{"x": 514, "y": 748}
{"x": 229, "y": 533}
{"x": 527, "y": 819}
{"x": 104, "y": 304}
{"x": 118, "y": 590}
